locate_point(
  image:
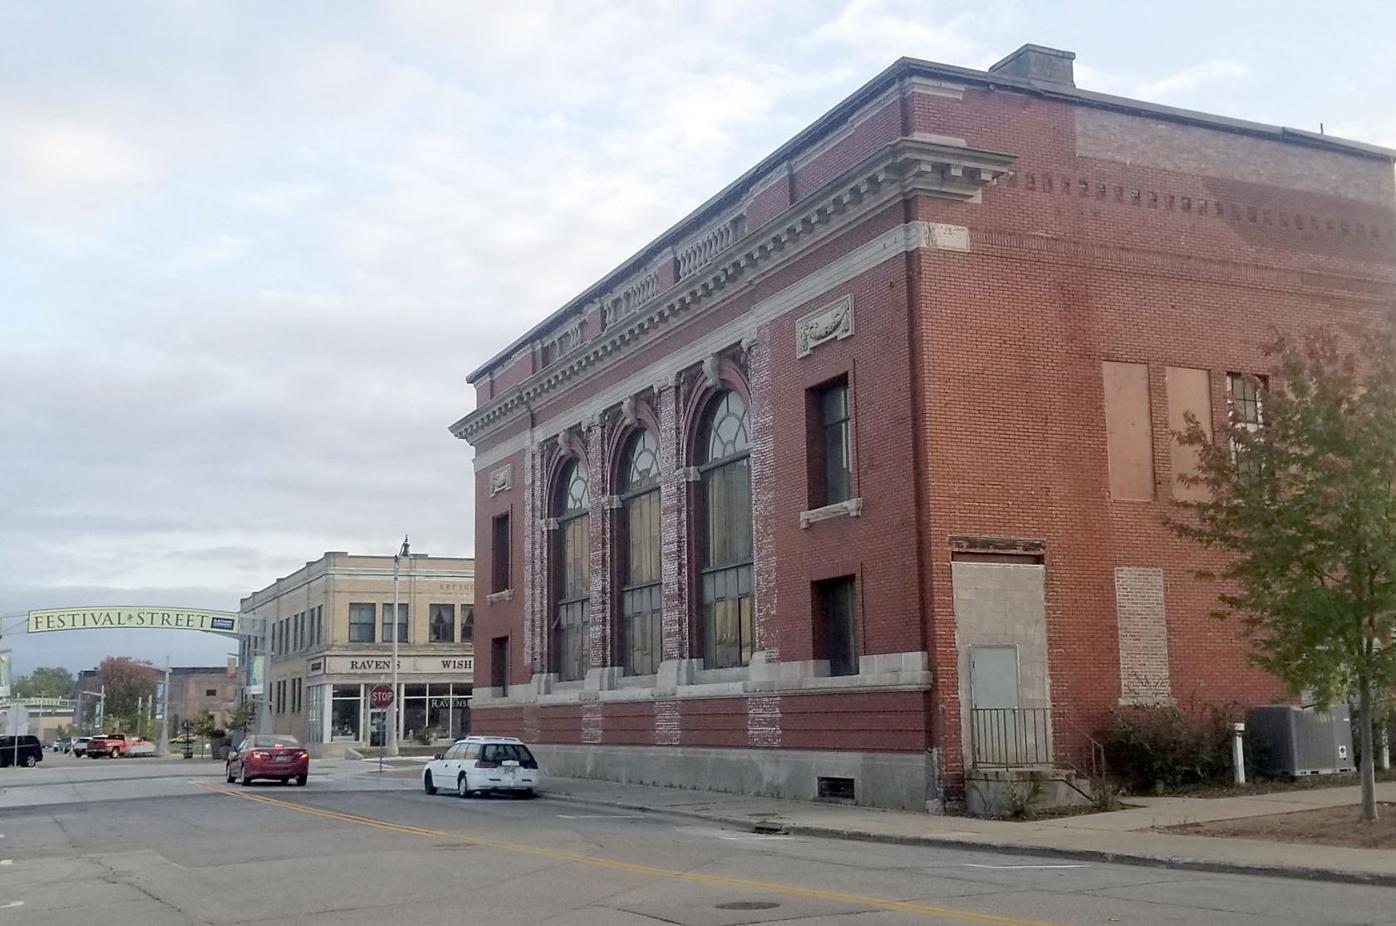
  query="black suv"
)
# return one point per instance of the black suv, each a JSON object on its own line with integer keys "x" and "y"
{"x": 27, "y": 752}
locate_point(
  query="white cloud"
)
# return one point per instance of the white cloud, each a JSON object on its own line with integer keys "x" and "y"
{"x": 51, "y": 155}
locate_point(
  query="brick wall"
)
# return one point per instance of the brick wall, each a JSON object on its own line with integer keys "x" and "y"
{"x": 979, "y": 391}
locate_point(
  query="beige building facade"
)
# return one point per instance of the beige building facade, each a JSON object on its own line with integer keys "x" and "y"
{"x": 196, "y": 689}
{"x": 329, "y": 642}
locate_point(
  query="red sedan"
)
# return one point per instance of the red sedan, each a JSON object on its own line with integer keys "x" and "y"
{"x": 269, "y": 755}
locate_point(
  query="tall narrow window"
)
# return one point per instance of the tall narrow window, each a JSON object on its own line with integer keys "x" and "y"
{"x": 443, "y": 623}
{"x": 1245, "y": 397}
{"x": 499, "y": 553}
{"x": 499, "y": 665}
{"x": 467, "y": 623}
{"x": 1246, "y": 394}
{"x": 726, "y": 562}
{"x": 830, "y": 448}
{"x": 571, "y": 654}
{"x": 835, "y": 637}
{"x": 641, "y": 586}
{"x": 401, "y": 623}
{"x": 361, "y": 622}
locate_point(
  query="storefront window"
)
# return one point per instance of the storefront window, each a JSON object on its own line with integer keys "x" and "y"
{"x": 345, "y": 712}
{"x": 315, "y": 714}
{"x": 414, "y": 711}
{"x": 448, "y": 711}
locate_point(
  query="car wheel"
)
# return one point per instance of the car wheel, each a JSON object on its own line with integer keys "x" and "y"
{"x": 30, "y": 762}
{"x": 246, "y": 779}
{"x": 302, "y": 779}
{"x": 525, "y": 793}
{"x": 115, "y": 753}
{"x": 462, "y": 786}
{"x": 228, "y": 773}
{"x": 427, "y": 786}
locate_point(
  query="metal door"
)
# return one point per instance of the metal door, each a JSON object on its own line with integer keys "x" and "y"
{"x": 994, "y": 716}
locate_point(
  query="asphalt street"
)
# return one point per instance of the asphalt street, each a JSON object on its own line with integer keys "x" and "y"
{"x": 157, "y": 842}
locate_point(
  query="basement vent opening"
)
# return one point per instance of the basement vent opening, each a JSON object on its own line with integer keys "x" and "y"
{"x": 836, "y": 789}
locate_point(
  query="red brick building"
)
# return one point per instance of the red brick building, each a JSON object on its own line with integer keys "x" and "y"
{"x": 854, "y": 480}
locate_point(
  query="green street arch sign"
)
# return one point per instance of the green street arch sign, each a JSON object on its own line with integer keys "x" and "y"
{"x": 153, "y": 618}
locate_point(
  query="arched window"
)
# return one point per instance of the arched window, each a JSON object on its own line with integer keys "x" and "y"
{"x": 573, "y": 573}
{"x": 726, "y": 507}
{"x": 642, "y": 634}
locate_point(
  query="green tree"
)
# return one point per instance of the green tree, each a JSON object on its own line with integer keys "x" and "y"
{"x": 45, "y": 682}
{"x": 206, "y": 725}
{"x": 127, "y": 683}
{"x": 242, "y": 716}
{"x": 1305, "y": 508}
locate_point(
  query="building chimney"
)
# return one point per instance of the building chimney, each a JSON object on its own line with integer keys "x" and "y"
{"x": 1037, "y": 62}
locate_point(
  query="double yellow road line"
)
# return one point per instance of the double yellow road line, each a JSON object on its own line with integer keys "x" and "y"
{"x": 789, "y": 890}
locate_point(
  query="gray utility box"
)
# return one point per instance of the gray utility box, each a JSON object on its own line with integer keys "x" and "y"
{"x": 1301, "y": 740}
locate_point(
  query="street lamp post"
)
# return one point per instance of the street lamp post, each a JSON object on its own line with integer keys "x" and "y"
{"x": 392, "y": 749}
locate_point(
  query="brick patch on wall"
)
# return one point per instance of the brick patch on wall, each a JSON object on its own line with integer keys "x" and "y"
{"x": 1143, "y": 635}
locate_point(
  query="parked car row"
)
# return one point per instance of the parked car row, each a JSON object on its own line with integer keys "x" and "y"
{"x": 482, "y": 765}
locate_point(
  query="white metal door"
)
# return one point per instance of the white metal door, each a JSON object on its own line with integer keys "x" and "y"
{"x": 994, "y": 716}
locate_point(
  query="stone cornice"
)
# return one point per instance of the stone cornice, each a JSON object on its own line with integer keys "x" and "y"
{"x": 929, "y": 166}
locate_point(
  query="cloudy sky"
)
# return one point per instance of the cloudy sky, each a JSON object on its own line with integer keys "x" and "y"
{"x": 249, "y": 251}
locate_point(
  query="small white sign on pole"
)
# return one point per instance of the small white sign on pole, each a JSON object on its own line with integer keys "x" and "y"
{"x": 17, "y": 720}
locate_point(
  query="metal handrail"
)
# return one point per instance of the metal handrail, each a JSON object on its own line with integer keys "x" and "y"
{"x": 1005, "y": 737}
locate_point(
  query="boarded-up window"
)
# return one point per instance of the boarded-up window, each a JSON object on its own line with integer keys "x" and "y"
{"x": 1143, "y": 626}
{"x": 1189, "y": 390}
{"x": 1128, "y": 432}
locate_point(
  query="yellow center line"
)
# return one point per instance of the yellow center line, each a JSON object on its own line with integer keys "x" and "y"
{"x": 635, "y": 868}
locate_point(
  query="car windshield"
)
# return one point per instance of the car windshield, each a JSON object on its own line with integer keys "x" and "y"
{"x": 271, "y": 742}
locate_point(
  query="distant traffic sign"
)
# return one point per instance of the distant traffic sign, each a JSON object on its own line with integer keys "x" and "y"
{"x": 380, "y": 696}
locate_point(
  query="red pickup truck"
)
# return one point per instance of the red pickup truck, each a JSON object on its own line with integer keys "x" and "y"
{"x": 116, "y": 745}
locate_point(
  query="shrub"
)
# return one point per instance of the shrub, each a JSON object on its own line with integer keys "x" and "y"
{"x": 1164, "y": 747}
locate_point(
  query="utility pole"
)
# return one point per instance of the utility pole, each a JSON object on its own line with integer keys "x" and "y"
{"x": 165, "y": 711}
{"x": 393, "y": 714}
{"x": 264, "y": 708}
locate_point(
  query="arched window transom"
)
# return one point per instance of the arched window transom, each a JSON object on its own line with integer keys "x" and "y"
{"x": 727, "y": 428}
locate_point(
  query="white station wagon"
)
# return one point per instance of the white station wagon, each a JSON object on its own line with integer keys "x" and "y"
{"x": 481, "y": 764}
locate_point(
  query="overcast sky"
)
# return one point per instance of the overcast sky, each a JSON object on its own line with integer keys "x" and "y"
{"x": 249, "y": 251}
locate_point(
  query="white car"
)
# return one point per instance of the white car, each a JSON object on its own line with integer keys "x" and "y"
{"x": 481, "y": 764}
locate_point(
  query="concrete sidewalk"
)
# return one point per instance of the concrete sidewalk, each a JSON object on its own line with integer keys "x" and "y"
{"x": 1125, "y": 836}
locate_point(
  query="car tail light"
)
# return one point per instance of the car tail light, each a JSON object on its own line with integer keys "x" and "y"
{"x": 259, "y": 755}
{"x": 302, "y": 755}
{"x": 486, "y": 763}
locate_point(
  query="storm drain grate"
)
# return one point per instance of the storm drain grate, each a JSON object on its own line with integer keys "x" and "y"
{"x": 747, "y": 905}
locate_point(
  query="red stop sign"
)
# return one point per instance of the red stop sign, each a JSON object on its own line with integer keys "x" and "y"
{"x": 380, "y": 696}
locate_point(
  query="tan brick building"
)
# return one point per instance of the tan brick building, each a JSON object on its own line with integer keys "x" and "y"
{"x": 195, "y": 689}
{"x": 329, "y": 635}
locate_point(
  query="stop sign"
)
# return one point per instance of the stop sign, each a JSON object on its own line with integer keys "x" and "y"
{"x": 380, "y": 696}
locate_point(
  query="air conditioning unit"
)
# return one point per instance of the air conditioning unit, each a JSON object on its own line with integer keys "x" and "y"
{"x": 1291, "y": 740}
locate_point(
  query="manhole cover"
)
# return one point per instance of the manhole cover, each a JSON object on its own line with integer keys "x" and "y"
{"x": 748, "y": 905}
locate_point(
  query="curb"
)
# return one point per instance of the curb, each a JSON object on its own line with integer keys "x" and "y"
{"x": 1142, "y": 859}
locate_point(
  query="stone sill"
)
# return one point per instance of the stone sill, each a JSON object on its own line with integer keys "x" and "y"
{"x": 497, "y": 597}
{"x": 853, "y": 508}
{"x": 879, "y": 672}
